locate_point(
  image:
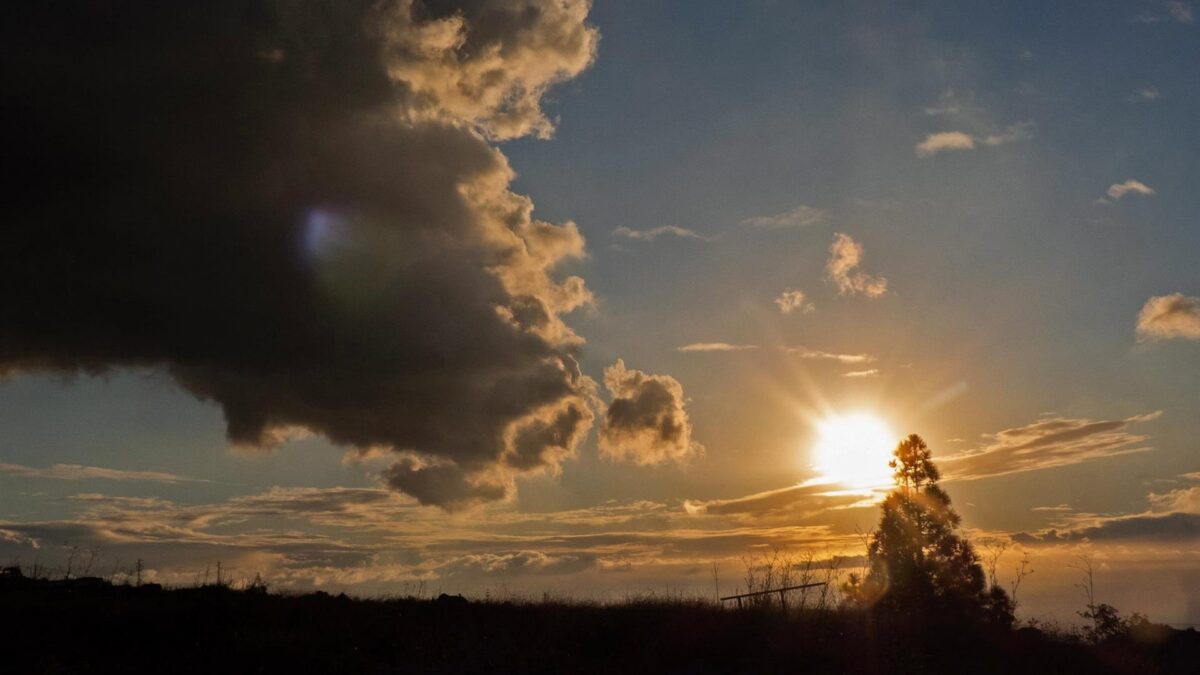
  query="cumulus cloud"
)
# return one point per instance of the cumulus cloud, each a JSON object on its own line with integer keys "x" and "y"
{"x": 1167, "y": 317}
{"x": 656, "y": 232}
{"x": 845, "y": 255}
{"x": 806, "y": 353}
{"x": 486, "y": 64}
{"x": 792, "y": 300}
{"x": 714, "y": 347}
{"x": 1048, "y": 443}
{"x": 80, "y": 472}
{"x": 945, "y": 141}
{"x": 801, "y": 216}
{"x": 957, "y": 141}
{"x": 1137, "y": 187}
{"x": 445, "y": 484}
{"x": 519, "y": 562}
{"x": 306, "y": 226}
{"x": 646, "y": 422}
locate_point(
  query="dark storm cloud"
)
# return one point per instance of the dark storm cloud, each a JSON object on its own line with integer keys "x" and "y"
{"x": 292, "y": 208}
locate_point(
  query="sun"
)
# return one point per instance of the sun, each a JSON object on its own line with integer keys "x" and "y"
{"x": 854, "y": 450}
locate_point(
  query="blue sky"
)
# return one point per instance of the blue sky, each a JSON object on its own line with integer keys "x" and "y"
{"x": 997, "y": 256}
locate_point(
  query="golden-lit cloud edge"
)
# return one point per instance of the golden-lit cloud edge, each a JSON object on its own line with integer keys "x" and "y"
{"x": 1048, "y": 443}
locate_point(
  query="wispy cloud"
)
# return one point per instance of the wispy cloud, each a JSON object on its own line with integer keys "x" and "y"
{"x": 1167, "y": 317}
{"x": 801, "y": 216}
{"x": 1181, "y": 11}
{"x": 805, "y": 497}
{"x": 1174, "y": 10}
{"x": 1172, "y": 516}
{"x": 1021, "y": 131}
{"x": 871, "y": 372}
{"x": 948, "y": 104}
{"x": 1118, "y": 190}
{"x": 714, "y": 347}
{"x": 806, "y": 353}
{"x": 845, "y": 255}
{"x": 1058, "y": 508}
{"x": 1186, "y": 500}
{"x": 1048, "y": 443}
{"x": 371, "y": 539}
{"x": 949, "y": 109}
{"x": 793, "y": 300}
{"x": 656, "y": 232}
{"x": 1140, "y": 527}
{"x": 1144, "y": 95}
{"x": 81, "y": 472}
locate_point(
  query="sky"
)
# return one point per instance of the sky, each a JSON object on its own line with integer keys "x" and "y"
{"x": 551, "y": 296}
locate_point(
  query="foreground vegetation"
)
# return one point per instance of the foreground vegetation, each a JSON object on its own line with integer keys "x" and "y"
{"x": 84, "y": 627}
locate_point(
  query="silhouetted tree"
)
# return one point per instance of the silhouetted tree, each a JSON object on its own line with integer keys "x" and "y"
{"x": 916, "y": 559}
{"x": 1105, "y": 622}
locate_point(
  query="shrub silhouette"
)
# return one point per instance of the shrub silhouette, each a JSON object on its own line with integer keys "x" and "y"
{"x": 916, "y": 559}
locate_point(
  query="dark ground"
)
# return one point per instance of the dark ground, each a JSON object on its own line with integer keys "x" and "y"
{"x": 91, "y": 627}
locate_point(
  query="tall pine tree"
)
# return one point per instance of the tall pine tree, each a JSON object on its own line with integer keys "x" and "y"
{"x": 916, "y": 559}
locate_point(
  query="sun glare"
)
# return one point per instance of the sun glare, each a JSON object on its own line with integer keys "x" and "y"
{"x": 854, "y": 450}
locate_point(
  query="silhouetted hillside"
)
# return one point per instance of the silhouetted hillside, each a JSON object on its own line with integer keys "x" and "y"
{"x": 86, "y": 626}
